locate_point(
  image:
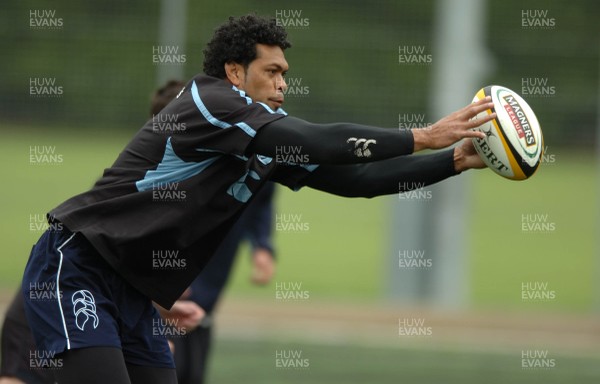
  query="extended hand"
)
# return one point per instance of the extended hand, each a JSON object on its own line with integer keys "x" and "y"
{"x": 454, "y": 127}
{"x": 264, "y": 266}
{"x": 466, "y": 157}
{"x": 187, "y": 313}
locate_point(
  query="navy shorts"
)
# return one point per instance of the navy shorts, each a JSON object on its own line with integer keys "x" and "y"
{"x": 75, "y": 299}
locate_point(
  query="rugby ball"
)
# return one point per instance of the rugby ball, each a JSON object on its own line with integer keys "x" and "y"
{"x": 513, "y": 144}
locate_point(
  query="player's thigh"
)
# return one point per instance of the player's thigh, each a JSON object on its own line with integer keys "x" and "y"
{"x": 96, "y": 365}
{"x": 144, "y": 333}
{"x": 102, "y": 365}
{"x": 68, "y": 292}
{"x": 151, "y": 375}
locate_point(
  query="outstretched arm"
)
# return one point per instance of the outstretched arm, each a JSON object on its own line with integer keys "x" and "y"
{"x": 345, "y": 143}
{"x": 384, "y": 177}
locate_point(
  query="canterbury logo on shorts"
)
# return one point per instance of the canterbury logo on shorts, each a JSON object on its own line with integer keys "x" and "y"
{"x": 84, "y": 308}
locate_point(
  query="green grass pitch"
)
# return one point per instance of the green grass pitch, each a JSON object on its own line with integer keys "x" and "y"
{"x": 341, "y": 254}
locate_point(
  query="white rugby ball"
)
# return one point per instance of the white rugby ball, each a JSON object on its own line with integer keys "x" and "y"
{"x": 513, "y": 144}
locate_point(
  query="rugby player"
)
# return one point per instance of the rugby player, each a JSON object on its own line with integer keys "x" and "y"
{"x": 103, "y": 258}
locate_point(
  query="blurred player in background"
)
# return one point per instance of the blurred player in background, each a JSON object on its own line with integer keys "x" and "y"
{"x": 193, "y": 348}
{"x": 103, "y": 257}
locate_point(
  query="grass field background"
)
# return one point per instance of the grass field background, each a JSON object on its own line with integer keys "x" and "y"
{"x": 343, "y": 253}
{"x": 342, "y": 258}
{"x": 237, "y": 361}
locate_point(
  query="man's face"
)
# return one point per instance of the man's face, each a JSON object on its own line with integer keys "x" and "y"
{"x": 263, "y": 80}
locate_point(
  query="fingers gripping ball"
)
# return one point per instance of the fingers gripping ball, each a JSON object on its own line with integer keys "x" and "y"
{"x": 513, "y": 144}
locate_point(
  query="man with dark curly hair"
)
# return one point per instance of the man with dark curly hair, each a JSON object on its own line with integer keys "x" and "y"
{"x": 151, "y": 223}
